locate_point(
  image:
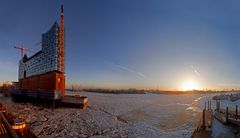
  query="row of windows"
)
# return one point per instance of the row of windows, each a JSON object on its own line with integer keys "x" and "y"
{"x": 40, "y": 64}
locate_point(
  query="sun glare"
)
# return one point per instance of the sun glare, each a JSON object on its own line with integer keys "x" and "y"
{"x": 189, "y": 85}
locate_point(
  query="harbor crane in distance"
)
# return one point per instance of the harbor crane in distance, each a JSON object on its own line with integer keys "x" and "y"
{"x": 23, "y": 49}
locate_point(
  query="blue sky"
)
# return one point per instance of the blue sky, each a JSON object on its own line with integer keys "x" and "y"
{"x": 131, "y": 43}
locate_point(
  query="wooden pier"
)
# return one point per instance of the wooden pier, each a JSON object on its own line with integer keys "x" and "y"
{"x": 204, "y": 129}
{"x": 227, "y": 116}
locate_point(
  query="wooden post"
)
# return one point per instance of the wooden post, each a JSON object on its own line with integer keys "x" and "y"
{"x": 236, "y": 112}
{"x": 52, "y": 105}
{"x": 227, "y": 115}
{"x": 203, "y": 125}
{"x": 210, "y": 105}
{"x": 205, "y": 105}
{"x": 219, "y": 105}
{"x": 216, "y": 105}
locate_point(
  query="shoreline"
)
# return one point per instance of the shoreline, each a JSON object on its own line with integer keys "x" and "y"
{"x": 106, "y": 91}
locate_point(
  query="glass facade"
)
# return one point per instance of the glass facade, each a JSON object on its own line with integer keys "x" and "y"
{"x": 46, "y": 60}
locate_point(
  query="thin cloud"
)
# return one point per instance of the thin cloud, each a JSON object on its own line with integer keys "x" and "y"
{"x": 127, "y": 69}
{"x": 141, "y": 74}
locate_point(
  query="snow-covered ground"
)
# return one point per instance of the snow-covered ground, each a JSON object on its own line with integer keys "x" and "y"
{"x": 221, "y": 131}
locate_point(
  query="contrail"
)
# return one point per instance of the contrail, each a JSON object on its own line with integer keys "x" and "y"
{"x": 124, "y": 68}
{"x": 195, "y": 71}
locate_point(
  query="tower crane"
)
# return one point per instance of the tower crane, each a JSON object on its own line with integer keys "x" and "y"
{"x": 23, "y": 49}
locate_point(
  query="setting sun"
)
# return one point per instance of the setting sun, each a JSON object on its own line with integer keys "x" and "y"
{"x": 189, "y": 85}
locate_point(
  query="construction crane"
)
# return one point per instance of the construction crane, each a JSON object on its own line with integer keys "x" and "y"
{"x": 23, "y": 49}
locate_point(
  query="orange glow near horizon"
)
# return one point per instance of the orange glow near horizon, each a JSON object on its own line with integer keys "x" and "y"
{"x": 190, "y": 85}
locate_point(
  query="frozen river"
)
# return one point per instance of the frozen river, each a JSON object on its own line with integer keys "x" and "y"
{"x": 153, "y": 115}
{"x": 122, "y": 115}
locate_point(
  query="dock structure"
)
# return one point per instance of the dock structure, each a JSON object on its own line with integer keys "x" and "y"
{"x": 3, "y": 131}
{"x": 75, "y": 101}
{"x": 6, "y": 129}
{"x": 12, "y": 126}
{"x": 204, "y": 129}
{"x": 227, "y": 116}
